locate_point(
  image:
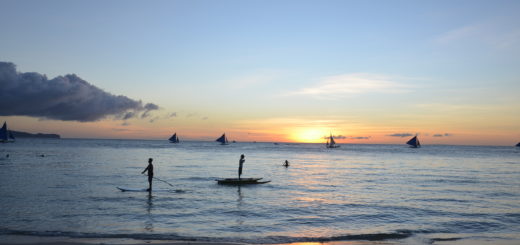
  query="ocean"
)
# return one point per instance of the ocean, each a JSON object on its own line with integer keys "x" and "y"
{"x": 434, "y": 194}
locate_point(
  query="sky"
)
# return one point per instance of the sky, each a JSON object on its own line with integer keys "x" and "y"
{"x": 367, "y": 72}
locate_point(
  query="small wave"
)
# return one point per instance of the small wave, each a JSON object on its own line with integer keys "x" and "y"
{"x": 445, "y": 239}
{"x": 252, "y": 240}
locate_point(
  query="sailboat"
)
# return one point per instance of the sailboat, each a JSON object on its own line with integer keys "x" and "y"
{"x": 174, "y": 138}
{"x": 518, "y": 145}
{"x": 223, "y": 140}
{"x": 414, "y": 142}
{"x": 331, "y": 143}
{"x": 4, "y": 136}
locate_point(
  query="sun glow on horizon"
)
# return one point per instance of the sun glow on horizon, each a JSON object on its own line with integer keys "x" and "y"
{"x": 309, "y": 135}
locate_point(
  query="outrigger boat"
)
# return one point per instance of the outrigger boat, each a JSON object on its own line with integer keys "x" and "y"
{"x": 174, "y": 138}
{"x": 331, "y": 143}
{"x": 241, "y": 181}
{"x": 6, "y": 136}
{"x": 223, "y": 140}
{"x": 414, "y": 142}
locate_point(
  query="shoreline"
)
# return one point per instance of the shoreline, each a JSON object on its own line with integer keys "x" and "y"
{"x": 62, "y": 240}
{"x": 45, "y": 240}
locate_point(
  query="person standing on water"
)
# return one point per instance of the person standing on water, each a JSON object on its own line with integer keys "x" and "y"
{"x": 149, "y": 168}
{"x": 240, "y": 165}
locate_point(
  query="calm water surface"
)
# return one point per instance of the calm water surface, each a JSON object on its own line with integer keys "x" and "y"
{"x": 356, "y": 192}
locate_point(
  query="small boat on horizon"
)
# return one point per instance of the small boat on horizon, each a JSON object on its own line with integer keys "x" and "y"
{"x": 174, "y": 138}
{"x": 414, "y": 142}
{"x": 331, "y": 143}
{"x": 223, "y": 140}
{"x": 6, "y": 136}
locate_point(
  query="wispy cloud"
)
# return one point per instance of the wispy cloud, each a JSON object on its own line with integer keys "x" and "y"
{"x": 498, "y": 35}
{"x": 443, "y": 135}
{"x": 348, "y": 137}
{"x": 360, "y": 137}
{"x": 353, "y": 84}
{"x": 458, "y": 34}
{"x": 402, "y": 135}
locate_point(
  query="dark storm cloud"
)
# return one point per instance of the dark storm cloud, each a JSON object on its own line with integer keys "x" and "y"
{"x": 67, "y": 98}
{"x": 401, "y": 135}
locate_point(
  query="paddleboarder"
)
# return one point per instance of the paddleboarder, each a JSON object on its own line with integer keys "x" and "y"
{"x": 240, "y": 164}
{"x": 149, "y": 168}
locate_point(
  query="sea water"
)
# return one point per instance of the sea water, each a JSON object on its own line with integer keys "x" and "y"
{"x": 356, "y": 192}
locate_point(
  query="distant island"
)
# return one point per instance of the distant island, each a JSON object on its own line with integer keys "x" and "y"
{"x": 18, "y": 134}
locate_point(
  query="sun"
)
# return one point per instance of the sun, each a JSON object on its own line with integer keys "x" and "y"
{"x": 309, "y": 135}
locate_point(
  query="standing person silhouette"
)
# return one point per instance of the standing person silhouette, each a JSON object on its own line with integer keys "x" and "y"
{"x": 240, "y": 164}
{"x": 149, "y": 168}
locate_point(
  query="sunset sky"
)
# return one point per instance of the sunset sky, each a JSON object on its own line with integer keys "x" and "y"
{"x": 294, "y": 71}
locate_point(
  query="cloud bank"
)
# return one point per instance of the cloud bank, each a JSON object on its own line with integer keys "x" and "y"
{"x": 67, "y": 98}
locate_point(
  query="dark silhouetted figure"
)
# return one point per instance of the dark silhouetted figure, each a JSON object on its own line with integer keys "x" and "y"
{"x": 240, "y": 165}
{"x": 149, "y": 168}
{"x": 286, "y": 163}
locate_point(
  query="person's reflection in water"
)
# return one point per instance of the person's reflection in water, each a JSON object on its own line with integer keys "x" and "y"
{"x": 240, "y": 219}
{"x": 148, "y": 224}
{"x": 239, "y": 200}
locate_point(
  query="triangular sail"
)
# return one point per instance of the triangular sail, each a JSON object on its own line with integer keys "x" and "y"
{"x": 3, "y": 133}
{"x": 332, "y": 142}
{"x": 414, "y": 142}
{"x": 174, "y": 138}
{"x": 222, "y": 139}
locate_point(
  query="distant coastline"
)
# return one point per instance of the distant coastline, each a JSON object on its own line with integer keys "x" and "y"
{"x": 19, "y": 134}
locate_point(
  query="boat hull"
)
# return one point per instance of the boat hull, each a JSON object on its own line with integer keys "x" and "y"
{"x": 241, "y": 181}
